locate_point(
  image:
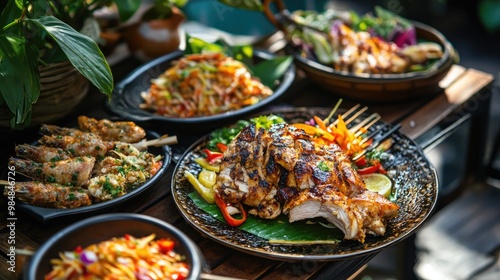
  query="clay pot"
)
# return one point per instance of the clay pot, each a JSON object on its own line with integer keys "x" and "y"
{"x": 153, "y": 38}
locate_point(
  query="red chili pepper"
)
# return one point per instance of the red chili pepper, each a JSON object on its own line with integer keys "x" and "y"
{"x": 78, "y": 249}
{"x": 221, "y": 146}
{"x": 360, "y": 162}
{"x": 166, "y": 245}
{"x": 370, "y": 169}
{"x": 230, "y": 219}
{"x": 212, "y": 156}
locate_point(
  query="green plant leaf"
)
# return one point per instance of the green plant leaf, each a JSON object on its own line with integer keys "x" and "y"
{"x": 196, "y": 45}
{"x": 82, "y": 51}
{"x": 19, "y": 80}
{"x": 127, "y": 8}
{"x": 269, "y": 71}
{"x": 11, "y": 12}
{"x": 253, "y": 5}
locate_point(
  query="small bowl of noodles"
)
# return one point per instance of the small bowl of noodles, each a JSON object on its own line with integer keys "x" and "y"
{"x": 125, "y": 245}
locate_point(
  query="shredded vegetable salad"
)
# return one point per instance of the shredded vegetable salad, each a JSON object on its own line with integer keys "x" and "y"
{"x": 202, "y": 85}
{"x": 126, "y": 257}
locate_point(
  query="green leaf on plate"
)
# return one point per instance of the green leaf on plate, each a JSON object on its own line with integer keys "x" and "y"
{"x": 243, "y": 53}
{"x": 197, "y": 45}
{"x": 278, "y": 230}
{"x": 269, "y": 71}
{"x": 82, "y": 51}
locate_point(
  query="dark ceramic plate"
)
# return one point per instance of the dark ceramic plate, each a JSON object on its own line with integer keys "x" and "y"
{"x": 127, "y": 94}
{"x": 414, "y": 178}
{"x": 104, "y": 227}
{"x": 45, "y": 214}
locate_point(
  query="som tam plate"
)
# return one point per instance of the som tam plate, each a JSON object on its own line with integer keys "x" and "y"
{"x": 414, "y": 177}
{"x": 126, "y": 98}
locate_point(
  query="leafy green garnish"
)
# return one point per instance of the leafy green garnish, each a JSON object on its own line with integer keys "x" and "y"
{"x": 225, "y": 135}
{"x": 384, "y": 23}
{"x": 266, "y": 122}
{"x": 323, "y": 166}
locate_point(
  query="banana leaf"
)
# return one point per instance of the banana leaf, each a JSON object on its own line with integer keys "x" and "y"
{"x": 279, "y": 230}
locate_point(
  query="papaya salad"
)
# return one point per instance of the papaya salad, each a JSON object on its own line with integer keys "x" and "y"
{"x": 272, "y": 167}
{"x": 126, "y": 257}
{"x": 204, "y": 84}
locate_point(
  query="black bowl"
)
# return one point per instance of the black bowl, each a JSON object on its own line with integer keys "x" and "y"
{"x": 104, "y": 227}
{"x": 382, "y": 87}
{"x": 126, "y": 96}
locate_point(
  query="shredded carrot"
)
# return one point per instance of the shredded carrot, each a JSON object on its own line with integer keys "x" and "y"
{"x": 334, "y": 133}
{"x": 203, "y": 85}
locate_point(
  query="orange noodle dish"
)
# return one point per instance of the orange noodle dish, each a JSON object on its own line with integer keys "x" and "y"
{"x": 203, "y": 85}
{"x": 126, "y": 257}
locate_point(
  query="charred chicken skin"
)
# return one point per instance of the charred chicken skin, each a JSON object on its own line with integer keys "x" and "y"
{"x": 282, "y": 170}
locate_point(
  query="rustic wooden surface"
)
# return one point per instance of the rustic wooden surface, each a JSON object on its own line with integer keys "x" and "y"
{"x": 416, "y": 116}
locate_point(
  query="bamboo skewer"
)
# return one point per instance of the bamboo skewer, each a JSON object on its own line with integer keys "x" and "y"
{"x": 5, "y": 183}
{"x": 162, "y": 141}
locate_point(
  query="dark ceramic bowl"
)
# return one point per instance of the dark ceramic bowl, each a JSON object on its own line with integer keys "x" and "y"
{"x": 127, "y": 98}
{"x": 371, "y": 87}
{"x": 104, "y": 227}
{"x": 382, "y": 87}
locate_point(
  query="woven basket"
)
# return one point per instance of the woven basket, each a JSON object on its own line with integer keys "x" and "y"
{"x": 62, "y": 88}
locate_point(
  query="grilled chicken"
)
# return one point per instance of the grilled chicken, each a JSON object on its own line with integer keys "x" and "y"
{"x": 283, "y": 170}
{"x": 359, "y": 52}
{"x": 123, "y": 131}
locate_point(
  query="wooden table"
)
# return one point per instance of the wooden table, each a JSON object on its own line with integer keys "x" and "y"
{"x": 466, "y": 94}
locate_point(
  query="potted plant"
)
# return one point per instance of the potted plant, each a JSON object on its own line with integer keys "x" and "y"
{"x": 32, "y": 38}
{"x": 154, "y": 29}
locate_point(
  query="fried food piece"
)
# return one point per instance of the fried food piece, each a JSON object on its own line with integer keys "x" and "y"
{"x": 85, "y": 144}
{"x": 70, "y": 172}
{"x": 124, "y": 131}
{"x": 51, "y": 195}
{"x": 41, "y": 153}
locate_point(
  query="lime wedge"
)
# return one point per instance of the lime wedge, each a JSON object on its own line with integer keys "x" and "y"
{"x": 378, "y": 182}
